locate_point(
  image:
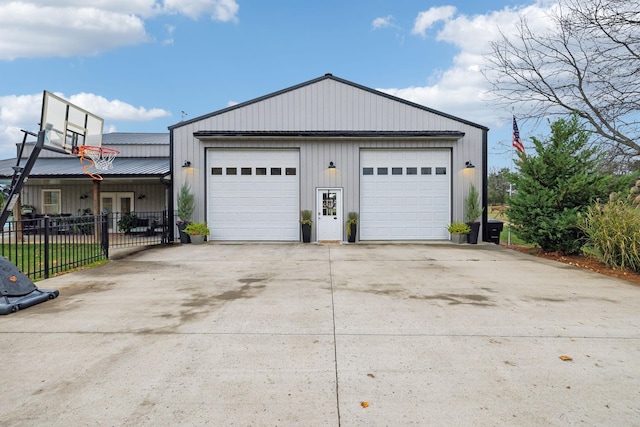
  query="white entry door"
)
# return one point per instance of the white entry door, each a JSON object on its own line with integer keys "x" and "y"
{"x": 329, "y": 206}
{"x": 120, "y": 203}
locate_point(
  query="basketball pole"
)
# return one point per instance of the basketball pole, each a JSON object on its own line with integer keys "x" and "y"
{"x": 20, "y": 175}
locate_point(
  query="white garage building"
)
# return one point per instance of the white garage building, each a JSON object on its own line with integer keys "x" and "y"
{"x": 330, "y": 146}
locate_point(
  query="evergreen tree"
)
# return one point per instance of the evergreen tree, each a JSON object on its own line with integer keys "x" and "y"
{"x": 498, "y": 186}
{"x": 553, "y": 186}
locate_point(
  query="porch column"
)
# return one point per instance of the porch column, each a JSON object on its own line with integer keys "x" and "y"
{"x": 96, "y": 208}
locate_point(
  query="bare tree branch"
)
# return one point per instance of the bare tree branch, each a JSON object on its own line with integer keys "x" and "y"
{"x": 588, "y": 62}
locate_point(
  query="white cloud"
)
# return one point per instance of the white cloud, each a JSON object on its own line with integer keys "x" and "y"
{"x": 116, "y": 109}
{"x": 462, "y": 90}
{"x": 23, "y": 112}
{"x": 382, "y": 22}
{"x": 170, "y": 29}
{"x": 65, "y": 28}
{"x": 426, "y": 19}
{"x": 219, "y": 10}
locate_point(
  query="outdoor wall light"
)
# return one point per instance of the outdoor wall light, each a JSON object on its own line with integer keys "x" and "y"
{"x": 187, "y": 164}
{"x": 469, "y": 165}
{"x": 331, "y": 165}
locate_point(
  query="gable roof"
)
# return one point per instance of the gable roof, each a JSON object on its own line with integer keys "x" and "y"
{"x": 327, "y": 76}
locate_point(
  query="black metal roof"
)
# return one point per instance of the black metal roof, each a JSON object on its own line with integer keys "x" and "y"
{"x": 135, "y": 138}
{"x": 71, "y": 168}
{"x": 450, "y": 134}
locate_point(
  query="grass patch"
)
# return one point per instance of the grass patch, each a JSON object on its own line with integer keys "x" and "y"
{"x": 30, "y": 258}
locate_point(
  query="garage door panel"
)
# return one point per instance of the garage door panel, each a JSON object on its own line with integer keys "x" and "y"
{"x": 405, "y": 206}
{"x": 253, "y": 206}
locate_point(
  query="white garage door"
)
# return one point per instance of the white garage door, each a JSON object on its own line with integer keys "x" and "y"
{"x": 253, "y": 194}
{"x": 405, "y": 194}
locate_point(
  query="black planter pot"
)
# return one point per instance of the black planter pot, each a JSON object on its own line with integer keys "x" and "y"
{"x": 353, "y": 230}
{"x": 184, "y": 237}
{"x": 306, "y": 233}
{"x": 472, "y": 237}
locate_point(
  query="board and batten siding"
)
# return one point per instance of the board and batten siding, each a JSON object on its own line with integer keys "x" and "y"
{"x": 71, "y": 190}
{"x": 327, "y": 104}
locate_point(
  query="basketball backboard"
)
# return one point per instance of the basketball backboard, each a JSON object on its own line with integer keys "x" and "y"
{"x": 68, "y": 126}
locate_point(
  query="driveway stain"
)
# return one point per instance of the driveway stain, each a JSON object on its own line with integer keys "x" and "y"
{"x": 243, "y": 292}
{"x": 457, "y": 299}
{"x": 250, "y": 281}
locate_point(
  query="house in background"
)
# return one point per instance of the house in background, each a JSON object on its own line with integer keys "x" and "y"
{"x": 138, "y": 181}
{"x": 330, "y": 146}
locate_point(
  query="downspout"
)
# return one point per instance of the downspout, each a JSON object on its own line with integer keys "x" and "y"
{"x": 171, "y": 208}
{"x": 485, "y": 186}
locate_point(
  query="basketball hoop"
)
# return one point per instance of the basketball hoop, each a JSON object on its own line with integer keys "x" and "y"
{"x": 100, "y": 158}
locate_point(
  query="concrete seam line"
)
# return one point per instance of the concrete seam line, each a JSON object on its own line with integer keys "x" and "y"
{"x": 335, "y": 342}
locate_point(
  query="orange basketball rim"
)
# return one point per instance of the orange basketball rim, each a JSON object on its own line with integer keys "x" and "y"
{"x": 93, "y": 157}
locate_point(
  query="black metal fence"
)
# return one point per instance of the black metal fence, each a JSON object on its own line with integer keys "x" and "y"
{"x": 43, "y": 246}
{"x": 137, "y": 228}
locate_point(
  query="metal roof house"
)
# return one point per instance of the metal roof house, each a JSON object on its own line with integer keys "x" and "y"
{"x": 330, "y": 146}
{"x": 57, "y": 184}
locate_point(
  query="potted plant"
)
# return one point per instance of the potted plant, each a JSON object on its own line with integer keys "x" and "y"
{"x": 306, "y": 225}
{"x": 352, "y": 226}
{"x": 459, "y": 231}
{"x": 127, "y": 222}
{"x": 186, "y": 206}
{"x": 472, "y": 213}
{"x": 197, "y": 231}
{"x": 27, "y": 209}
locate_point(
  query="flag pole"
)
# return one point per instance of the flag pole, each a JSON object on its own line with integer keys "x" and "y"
{"x": 513, "y": 115}
{"x": 519, "y": 147}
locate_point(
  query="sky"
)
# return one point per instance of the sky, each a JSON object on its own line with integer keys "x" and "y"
{"x": 144, "y": 65}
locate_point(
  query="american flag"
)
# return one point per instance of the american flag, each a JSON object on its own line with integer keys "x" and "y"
{"x": 517, "y": 142}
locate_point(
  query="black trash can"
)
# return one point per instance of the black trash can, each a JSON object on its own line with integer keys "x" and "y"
{"x": 494, "y": 228}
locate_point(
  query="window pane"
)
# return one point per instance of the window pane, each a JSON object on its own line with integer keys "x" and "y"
{"x": 51, "y": 202}
{"x": 291, "y": 171}
{"x": 232, "y": 171}
{"x": 383, "y": 171}
{"x": 396, "y": 171}
{"x": 245, "y": 171}
{"x": 276, "y": 171}
{"x": 367, "y": 171}
{"x": 441, "y": 171}
{"x": 425, "y": 171}
{"x": 216, "y": 171}
{"x": 412, "y": 171}
{"x": 261, "y": 171}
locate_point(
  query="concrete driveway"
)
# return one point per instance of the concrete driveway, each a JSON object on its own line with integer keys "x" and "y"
{"x": 294, "y": 334}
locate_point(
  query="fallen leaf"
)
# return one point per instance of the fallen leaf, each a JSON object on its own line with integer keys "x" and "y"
{"x": 566, "y": 358}
{"x": 13, "y": 279}
{"x": 364, "y": 404}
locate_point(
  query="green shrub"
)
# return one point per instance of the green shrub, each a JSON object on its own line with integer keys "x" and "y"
{"x": 197, "y": 228}
{"x": 555, "y": 183}
{"x": 306, "y": 217}
{"x": 352, "y": 218}
{"x": 458, "y": 228}
{"x": 127, "y": 222}
{"x": 186, "y": 203}
{"x": 472, "y": 205}
{"x": 613, "y": 231}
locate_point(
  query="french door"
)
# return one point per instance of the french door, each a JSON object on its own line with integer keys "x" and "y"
{"x": 120, "y": 203}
